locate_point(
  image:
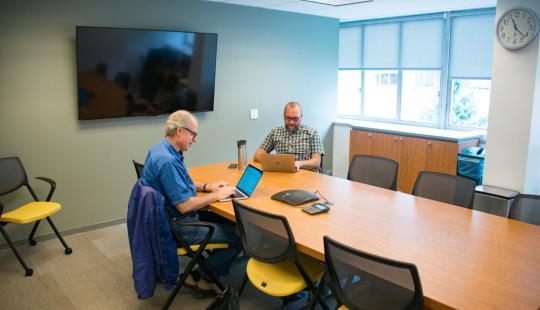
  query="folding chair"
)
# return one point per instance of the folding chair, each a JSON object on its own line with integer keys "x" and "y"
{"x": 144, "y": 198}
{"x": 14, "y": 177}
{"x": 138, "y": 168}
{"x": 195, "y": 253}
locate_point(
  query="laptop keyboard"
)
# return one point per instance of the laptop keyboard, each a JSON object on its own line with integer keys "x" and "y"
{"x": 238, "y": 194}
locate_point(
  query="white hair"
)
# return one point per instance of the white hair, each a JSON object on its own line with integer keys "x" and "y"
{"x": 178, "y": 119}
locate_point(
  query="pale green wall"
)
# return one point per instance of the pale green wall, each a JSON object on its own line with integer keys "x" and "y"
{"x": 265, "y": 58}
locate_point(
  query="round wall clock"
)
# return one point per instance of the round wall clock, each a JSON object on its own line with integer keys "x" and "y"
{"x": 517, "y": 28}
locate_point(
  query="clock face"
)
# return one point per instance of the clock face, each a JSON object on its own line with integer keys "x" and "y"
{"x": 517, "y": 28}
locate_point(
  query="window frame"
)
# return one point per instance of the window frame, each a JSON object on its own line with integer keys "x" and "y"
{"x": 445, "y": 78}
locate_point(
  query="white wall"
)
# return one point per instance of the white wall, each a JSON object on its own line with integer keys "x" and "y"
{"x": 512, "y": 153}
{"x": 265, "y": 59}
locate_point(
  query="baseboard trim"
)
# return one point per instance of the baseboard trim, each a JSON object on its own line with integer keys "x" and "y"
{"x": 4, "y": 244}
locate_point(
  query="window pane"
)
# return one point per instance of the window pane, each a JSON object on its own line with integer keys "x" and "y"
{"x": 469, "y": 103}
{"x": 422, "y": 44}
{"x": 381, "y": 46}
{"x": 420, "y": 96}
{"x": 471, "y": 46}
{"x": 380, "y": 93}
{"x": 349, "y": 86}
{"x": 350, "y": 47}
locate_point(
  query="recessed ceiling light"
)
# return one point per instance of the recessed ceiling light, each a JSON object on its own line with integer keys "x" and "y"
{"x": 337, "y": 2}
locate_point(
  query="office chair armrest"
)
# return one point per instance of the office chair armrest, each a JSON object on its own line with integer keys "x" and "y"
{"x": 202, "y": 244}
{"x": 1, "y": 209}
{"x": 52, "y": 183}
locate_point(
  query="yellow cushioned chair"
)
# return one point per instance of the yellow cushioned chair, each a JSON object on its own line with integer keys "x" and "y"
{"x": 13, "y": 178}
{"x": 193, "y": 251}
{"x": 275, "y": 267}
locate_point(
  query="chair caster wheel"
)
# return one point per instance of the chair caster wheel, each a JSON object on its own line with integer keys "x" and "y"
{"x": 68, "y": 251}
{"x": 32, "y": 242}
{"x": 28, "y": 272}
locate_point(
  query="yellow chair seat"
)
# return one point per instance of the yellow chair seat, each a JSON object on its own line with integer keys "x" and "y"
{"x": 31, "y": 212}
{"x": 210, "y": 246}
{"x": 282, "y": 279}
{"x": 343, "y": 308}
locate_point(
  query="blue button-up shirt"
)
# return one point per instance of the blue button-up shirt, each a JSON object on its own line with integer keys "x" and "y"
{"x": 164, "y": 171}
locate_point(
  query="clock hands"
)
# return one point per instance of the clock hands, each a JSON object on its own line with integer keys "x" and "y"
{"x": 515, "y": 27}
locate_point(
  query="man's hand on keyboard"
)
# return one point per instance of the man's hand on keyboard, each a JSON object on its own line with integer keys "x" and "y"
{"x": 214, "y": 187}
{"x": 225, "y": 191}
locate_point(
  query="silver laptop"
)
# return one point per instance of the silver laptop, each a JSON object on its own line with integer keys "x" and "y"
{"x": 247, "y": 183}
{"x": 278, "y": 163}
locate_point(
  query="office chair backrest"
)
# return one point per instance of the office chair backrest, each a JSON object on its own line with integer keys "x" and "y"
{"x": 526, "y": 208}
{"x": 444, "y": 187}
{"x": 374, "y": 170}
{"x": 138, "y": 168}
{"x": 361, "y": 280}
{"x": 12, "y": 175}
{"x": 266, "y": 237}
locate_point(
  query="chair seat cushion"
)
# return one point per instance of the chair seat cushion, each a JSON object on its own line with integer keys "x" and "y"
{"x": 31, "y": 212}
{"x": 282, "y": 279}
{"x": 211, "y": 246}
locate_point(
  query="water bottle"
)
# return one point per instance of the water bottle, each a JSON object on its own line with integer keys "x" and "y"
{"x": 242, "y": 157}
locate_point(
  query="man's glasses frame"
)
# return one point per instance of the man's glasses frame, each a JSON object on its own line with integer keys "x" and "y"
{"x": 292, "y": 118}
{"x": 194, "y": 134}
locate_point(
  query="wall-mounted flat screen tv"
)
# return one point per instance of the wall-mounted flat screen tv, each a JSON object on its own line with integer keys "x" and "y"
{"x": 132, "y": 72}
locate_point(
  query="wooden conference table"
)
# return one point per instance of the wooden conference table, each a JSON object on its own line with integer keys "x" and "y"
{"x": 466, "y": 259}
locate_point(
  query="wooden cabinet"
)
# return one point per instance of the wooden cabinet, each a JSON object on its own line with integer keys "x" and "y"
{"x": 413, "y": 154}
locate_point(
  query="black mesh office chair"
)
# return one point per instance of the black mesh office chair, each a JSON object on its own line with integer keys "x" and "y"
{"x": 526, "y": 208}
{"x": 138, "y": 168}
{"x": 359, "y": 280}
{"x": 13, "y": 177}
{"x": 374, "y": 170}
{"x": 444, "y": 187}
{"x": 275, "y": 267}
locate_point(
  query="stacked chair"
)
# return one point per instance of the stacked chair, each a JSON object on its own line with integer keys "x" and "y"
{"x": 13, "y": 177}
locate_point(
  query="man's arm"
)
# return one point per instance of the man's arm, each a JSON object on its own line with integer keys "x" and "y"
{"x": 196, "y": 203}
{"x": 266, "y": 147}
{"x": 259, "y": 153}
{"x": 316, "y": 150}
{"x": 311, "y": 164}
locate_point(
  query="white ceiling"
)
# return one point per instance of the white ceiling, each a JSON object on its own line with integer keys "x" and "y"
{"x": 367, "y": 10}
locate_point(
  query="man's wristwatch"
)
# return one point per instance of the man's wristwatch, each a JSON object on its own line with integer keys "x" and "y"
{"x": 204, "y": 188}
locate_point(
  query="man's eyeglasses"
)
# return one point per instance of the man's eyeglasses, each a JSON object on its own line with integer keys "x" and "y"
{"x": 193, "y": 133}
{"x": 291, "y": 118}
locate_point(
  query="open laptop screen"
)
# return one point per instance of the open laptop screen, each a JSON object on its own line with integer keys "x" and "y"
{"x": 249, "y": 180}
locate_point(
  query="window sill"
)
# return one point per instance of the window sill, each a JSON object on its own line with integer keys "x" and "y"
{"x": 413, "y": 131}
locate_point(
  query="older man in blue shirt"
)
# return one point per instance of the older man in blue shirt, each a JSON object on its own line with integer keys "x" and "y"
{"x": 164, "y": 170}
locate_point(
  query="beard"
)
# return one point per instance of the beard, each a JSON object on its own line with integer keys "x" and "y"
{"x": 292, "y": 128}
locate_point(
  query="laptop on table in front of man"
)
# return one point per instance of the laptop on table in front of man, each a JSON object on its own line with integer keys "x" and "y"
{"x": 278, "y": 163}
{"x": 247, "y": 183}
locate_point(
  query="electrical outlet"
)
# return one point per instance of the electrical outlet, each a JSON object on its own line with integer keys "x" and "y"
{"x": 253, "y": 114}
